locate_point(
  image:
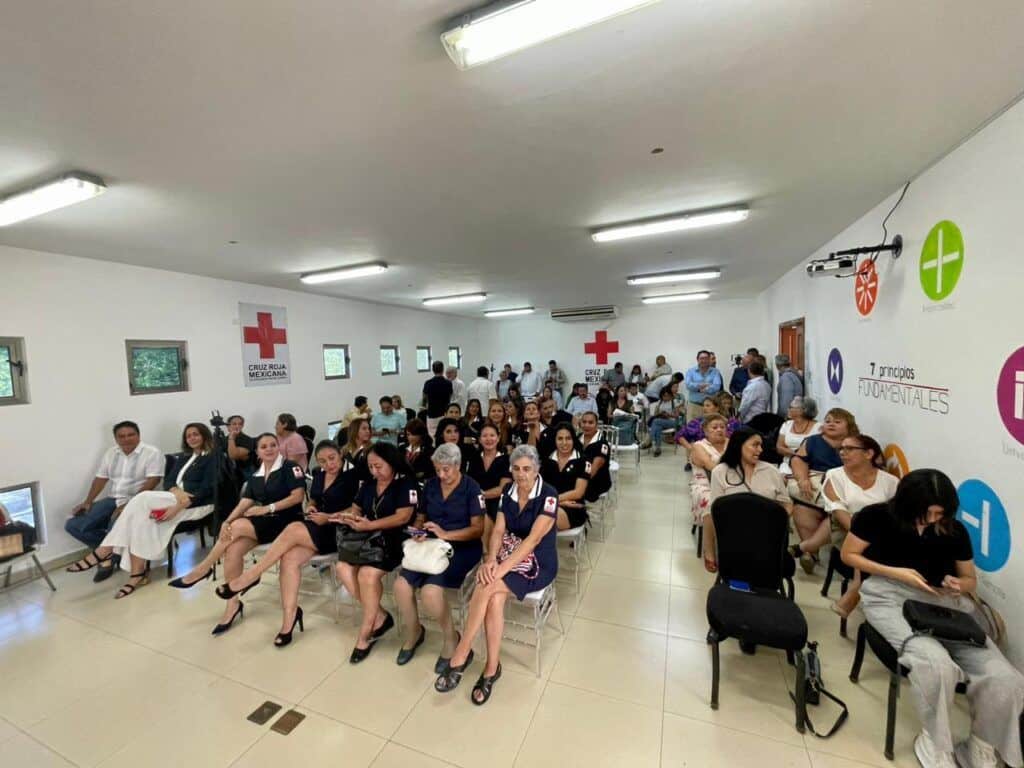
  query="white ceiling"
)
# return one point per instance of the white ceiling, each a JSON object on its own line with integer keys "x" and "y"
{"x": 320, "y": 133}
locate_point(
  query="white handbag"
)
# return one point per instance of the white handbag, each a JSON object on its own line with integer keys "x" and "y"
{"x": 430, "y": 556}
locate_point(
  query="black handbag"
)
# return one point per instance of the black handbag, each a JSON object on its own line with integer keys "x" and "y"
{"x": 943, "y": 623}
{"x": 362, "y": 547}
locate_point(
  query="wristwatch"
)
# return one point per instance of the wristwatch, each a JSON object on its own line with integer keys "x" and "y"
{"x": 272, "y": 508}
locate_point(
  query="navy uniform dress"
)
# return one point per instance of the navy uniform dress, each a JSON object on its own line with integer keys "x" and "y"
{"x": 564, "y": 480}
{"x": 419, "y": 460}
{"x": 602, "y": 481}
{"x": 454, "y": 513}
{"x": 285, "y": 476}
{"x": 490, "y": 477}
{"x": 543, "y": 502}
{"x": 402, "y": 492}
{"x": 337, "y": 497}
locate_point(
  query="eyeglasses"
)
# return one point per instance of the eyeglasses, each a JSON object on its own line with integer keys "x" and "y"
{"x": 845, "y": 448}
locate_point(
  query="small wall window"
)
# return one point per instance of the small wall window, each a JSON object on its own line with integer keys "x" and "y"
{"x": 13, "y": 383}
{"x": 389, "y": 359}
{"x": 21, "y": 503}
{"x": 336, "y": 361}
{"x": 157, "y": 366}
{"x": 455, "y": 357}
{"x": 423, "y": 359}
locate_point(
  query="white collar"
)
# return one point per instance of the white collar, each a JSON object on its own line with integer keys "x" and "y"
{"x": 597, "y": 438}
{"x": 575, "y": 455}
{"x": 534, "y": 492}
{"x": 277, "y": 465}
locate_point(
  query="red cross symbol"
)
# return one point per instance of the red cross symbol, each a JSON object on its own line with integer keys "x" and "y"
{"x": 600, "y": 347}
{"x": 866, "y": 288}
{"x": 265, "y": 334}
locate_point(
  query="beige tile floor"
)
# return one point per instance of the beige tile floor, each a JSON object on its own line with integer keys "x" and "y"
{"x": 88, "y": 681}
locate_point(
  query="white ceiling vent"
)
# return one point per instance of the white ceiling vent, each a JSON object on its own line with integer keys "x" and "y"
{"x": 579, "y": 314}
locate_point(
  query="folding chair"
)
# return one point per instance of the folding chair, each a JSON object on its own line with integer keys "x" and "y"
{"x": 10, "y": 560}
{"x": 578, "y": 549}
{"x": 541, "y": 605}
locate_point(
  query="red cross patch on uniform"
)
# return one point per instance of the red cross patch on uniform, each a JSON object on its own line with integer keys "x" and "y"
{"x": 297, "y": 471}
{"x": 550, "y": 505}
{"x": 588, "y": 467}
{"x": 483, "y": 502}
{"x": 414, "y": 497}
{"x": 604, "y": 449}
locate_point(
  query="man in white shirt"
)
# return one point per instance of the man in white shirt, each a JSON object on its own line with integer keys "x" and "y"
{"x": 481, "y": 389}
{"x": 458, "y": 387}
{"x": 639, "y": 399}
{"x": 529, "y": 382}
{"x": 582, "y": 403}
{"x": 129, "y": 468}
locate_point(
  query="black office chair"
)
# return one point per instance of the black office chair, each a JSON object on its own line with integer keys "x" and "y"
{"x": 308, "y": 433}
{"x": 225, "y": 500}
{"x": 752, "y": 533}
{"x": 868, "y": 635}
{"x": 846, "y": 573}
{"x": 768, "y": 424}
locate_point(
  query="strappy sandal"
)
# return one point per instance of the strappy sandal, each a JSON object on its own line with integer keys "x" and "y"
{"x": 127, "y": 589}
{"x": 83, "y": 565}
{"x": 483, "y": 686}
{"x": 450, "y": 680}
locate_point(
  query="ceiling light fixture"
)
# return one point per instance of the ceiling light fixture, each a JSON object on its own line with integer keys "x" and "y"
{"x": 674, "y": 277}
{"x": 505, "y": 27}
{"x": 343, "y": 273}
{"x": 67, "y": 190}
{"x": 675, "y": 223}
{"x": 462, "y": 298}
{"x": 508, "y": 312}
{"x": 672, "y": 297}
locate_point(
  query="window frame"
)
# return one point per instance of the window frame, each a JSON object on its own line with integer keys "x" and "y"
{"x": 430, "y": 358}
{"x": 458, "y": 354}
{"x": 348, "y": 362}
{"x": 183, "y": 365}
{"x": 38, "y": 518}
{"x": 18, "y": 367}
{"x": 398, "y": 360}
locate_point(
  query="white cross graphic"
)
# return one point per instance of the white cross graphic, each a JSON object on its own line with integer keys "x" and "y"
{"x": 983, "y": 523}
{"x": 867, "y": 282}
{"x": 835, "y": 371}
{"x": 1018, "y": 396}
{"x": 940, "y": 260}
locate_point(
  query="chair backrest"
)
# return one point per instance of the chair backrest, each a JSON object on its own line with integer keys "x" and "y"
{"x": 309, "y": 435}
{"x": 751, "y": 533}
{"x": 624, "y": 432}
{"x": 766, "y": 423}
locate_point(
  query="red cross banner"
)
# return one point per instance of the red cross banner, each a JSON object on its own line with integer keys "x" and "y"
{"x": 264, "y": 345}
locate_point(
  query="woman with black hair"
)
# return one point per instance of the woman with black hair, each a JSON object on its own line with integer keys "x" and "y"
{"x": 568, "y": 471}
{"x": 451, "y": 431}
{"x": 492, "y": 473}
{"x": 914, "y": 548}
{"x": 474, "y": 418}
{"x": 417, "y": 450}
{"x": 145, "y": 527}
{"x": 741, "y": 470}
{"x": 332, "y": 491}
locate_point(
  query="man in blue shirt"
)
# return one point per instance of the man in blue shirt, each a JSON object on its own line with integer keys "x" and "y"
{"x": 757, "y": 395}
{"x": 387, "y": 424}
{"x": 702, "y": 381}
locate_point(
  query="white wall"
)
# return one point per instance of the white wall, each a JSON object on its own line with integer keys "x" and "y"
{"x": 677, "y": 331}
{"x": 960, "y": 343}
{"x": 76, "y": 314}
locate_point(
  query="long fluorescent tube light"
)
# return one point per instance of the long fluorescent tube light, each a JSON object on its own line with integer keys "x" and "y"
{"x": 463, "y": 298}
{"x": 67, "y": 190}
{"x": 508, "y": 312}
{"x": 671, "y": 224}
{"x": 671, "y": 297}
{"x": 343, "y": 273}
{"x": 674, "y": 277}
{"x": 502, "y": 28}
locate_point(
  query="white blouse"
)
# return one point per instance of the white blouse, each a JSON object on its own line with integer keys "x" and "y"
{"x": 793, "y": 440}
{"x": 852, "y": 497}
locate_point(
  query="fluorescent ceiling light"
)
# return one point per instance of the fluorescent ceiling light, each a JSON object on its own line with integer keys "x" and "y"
{"x": 674, "y": 277}
{"x": 344, "y": 273}
{"x": 671, "y": 224}
{"x": 502, "y": 28}
{"x": 671, "y": 297}
{"x": 509, "y": 312}
{"x": 67, "y": 190}
{"x": 462, "y": 298}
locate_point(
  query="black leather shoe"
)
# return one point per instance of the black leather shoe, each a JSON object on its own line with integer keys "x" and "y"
{"x": 388, "y": 623}
{"x": 220, "y": 629}
{"x": 105, "y": 572}
{"x": 180, "y": 583}
{"x": 442, "y": 663}
{"x": 284, "y": 638}
{"x": 405, "y": 655}
{"x": 225, "y": 592}
{"x": 358, "y": 654}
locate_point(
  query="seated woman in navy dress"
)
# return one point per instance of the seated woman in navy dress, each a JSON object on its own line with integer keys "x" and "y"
{"x": 491, "y": 473}
{"x": 452, "y": 509}
{"x": 596, "y": 451}
{"x": 521, "y": 559}
{"x": 568, "y": 472}
{"x": 333, "y": 489}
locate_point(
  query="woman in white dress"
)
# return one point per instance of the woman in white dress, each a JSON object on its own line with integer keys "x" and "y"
{"x": 862, "y": 480}
{"x": 704, "y": 455}
{"x": 147, "y": 523}
{"x": 801, "y": 424}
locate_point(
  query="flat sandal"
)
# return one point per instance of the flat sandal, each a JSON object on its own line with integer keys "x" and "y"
{"x": 127, "y": 589}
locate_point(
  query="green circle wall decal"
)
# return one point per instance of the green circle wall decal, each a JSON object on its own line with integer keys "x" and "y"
{"x": 942, "y": 260}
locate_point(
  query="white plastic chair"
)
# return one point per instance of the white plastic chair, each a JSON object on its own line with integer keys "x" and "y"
{"x": 541, "y": 605}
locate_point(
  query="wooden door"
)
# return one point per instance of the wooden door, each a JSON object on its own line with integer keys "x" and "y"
{"x": 791, "y": 342}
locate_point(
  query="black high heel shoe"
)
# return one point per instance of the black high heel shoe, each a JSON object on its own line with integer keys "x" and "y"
{"x": 225, "y": 592}
{"x": 283, "y": 638}
{"x": 179, "y": 583}
{"x": 220, "y": 629}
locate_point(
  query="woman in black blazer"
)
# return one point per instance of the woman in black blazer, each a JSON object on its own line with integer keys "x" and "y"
{"x": 147, "y": 523}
